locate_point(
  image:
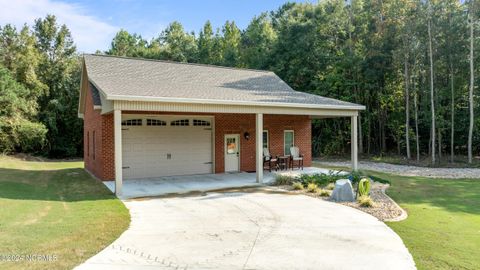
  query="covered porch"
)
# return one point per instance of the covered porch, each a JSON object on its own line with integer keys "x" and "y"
{"x": 161, "y": 186}
{"x": 250, "y": 170}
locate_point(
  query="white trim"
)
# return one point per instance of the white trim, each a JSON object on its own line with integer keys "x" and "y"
{"x": 231, "y": 102}
{"x": 259, "y": 147}
{"x": 354, "y": 143}
{"x": 268, "y": 139}
{"x": 293, "y": 139}
{"x": 225, "y": 108}
{"x": 117, "y": 127}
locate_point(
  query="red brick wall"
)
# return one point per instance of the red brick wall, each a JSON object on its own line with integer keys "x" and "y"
{"x": 275, "y": 124}
{"x": 224, "y": 124}
{"x": 92, "y": 122}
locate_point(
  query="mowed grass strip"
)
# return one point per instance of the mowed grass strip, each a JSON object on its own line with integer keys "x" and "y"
{"x": 55, "y": 209}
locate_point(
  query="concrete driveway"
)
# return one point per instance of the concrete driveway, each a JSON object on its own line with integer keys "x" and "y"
{"x": 256, "y": 229}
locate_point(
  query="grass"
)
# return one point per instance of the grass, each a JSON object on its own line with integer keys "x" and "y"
{"x": 442, "y": 230}
{"x": 55, "y": 209}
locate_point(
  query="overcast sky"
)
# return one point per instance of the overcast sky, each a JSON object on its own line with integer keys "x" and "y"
{"x": 93, "y": 23}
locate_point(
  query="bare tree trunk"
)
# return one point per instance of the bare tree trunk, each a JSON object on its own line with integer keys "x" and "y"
{"x": 407, "y": 108}
{"x": 432, "y": 96}
{"x": 470, "y": 92}
{"x": 417, "y": 139}
{"x": 360, "y": 135}
{"x": 452, "y": 131}
{"x": 440, "y": 146}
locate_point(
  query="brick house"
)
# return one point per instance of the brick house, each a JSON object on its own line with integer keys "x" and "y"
{"x": 148, "y": 118}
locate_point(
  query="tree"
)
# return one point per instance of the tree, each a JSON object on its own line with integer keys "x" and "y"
{"x": 178, "y": 45}
{"x": 432, "y": 94}
{"x": 18, "y": 129}
{"x": 59, "y": 70}
{"x": 471, "y": 19}
{"x": 257, "y": 42}
{"x": 230, "y": 44}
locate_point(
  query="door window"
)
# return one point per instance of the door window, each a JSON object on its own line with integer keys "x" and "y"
{"x": 231, "y": 146}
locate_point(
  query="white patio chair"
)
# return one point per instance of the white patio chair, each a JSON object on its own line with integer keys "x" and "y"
{"x": 296, "y": 157}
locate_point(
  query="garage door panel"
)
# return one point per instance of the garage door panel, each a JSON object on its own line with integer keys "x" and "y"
{"x": 146, "y": 150}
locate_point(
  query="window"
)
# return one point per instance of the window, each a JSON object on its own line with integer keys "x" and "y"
{"x": 156, "y": 122}
{"x": 88, "y": 143}
{"x": 204, "y": 123}
{"x": 181, "y": 122}
{"x": 93, "y": 142}
{"x": 288, "y": 141}
{"x": 265, "y": 139}
{"x": 132, "y": 122}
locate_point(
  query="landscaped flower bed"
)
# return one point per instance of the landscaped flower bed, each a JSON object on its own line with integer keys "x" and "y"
{"x": 375, "y": 202}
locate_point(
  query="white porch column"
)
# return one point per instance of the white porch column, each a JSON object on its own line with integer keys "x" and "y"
{"x": 259, "y": 146}
{"x": 354, "y": 143}
{"x": 117, "y": 127}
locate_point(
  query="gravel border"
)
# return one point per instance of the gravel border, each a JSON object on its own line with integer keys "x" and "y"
{"x": 408, "y": 170}
{"x": 385, "y": 209}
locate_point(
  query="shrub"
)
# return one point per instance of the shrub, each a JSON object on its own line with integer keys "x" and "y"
{"x": 312, "y": 187}
{"x": 330, "y": 186}
{"x": 364, "y": 187}
{"x": 281, "y": 180}
{"x": 365, "y": 201}
{"x": 297, "y": 186}
{"x": 320, "y": 179}
{"x": 324, "y": 192}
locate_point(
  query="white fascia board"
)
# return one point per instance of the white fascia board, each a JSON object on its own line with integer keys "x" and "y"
{"x": 230, "y": 102}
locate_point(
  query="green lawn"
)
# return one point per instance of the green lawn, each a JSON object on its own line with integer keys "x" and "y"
{"x": 55, "y": 208}
{"x": 442, "y": 230}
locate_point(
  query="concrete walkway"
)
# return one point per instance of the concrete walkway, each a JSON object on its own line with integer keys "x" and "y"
{"x": 258, "y": 229}
{"x": 149, "y": 187}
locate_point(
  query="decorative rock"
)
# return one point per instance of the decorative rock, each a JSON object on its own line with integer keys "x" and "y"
{"x": 343, "y": 191}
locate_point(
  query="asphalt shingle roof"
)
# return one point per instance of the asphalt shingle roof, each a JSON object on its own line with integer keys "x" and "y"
{"x": 120, "y": 76}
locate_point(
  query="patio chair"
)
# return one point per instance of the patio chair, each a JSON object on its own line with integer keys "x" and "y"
{"x": 269, "y": 160}
{"x": 296, "y": 157}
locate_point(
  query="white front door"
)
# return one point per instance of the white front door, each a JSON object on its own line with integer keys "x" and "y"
{"x": 232, "y": 153}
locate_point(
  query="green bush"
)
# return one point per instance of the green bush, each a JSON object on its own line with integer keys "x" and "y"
{"x": 18, "y": 134}
{"x": 282, "y": 180}
{"x": 364, "y": 187}
{"x": 312, "y": 187}
{"x": 297, "y": 186}
{"x": 320, "y": 179}
{"x": 365, "y": 201}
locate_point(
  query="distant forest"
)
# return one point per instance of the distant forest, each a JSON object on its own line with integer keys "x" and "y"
{"x": 413, "y": 64}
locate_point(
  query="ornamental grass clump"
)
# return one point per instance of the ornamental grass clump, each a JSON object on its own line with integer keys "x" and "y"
{"x": 324, "y": 192}
{"x": 282, "y": 180}
{"x": 312, "y": 188}
{"x": 365, "y": 201}
{"x": 297, "y": 186}
{"x": 330, "y": 186}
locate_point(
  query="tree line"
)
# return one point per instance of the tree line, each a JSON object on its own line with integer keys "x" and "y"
{"x": 411, "y": 63}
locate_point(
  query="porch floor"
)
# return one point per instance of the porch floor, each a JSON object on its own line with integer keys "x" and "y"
{"x": 148, "y": 187}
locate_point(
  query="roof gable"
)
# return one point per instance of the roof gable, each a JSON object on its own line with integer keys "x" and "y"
{"x": 120, "y": 78}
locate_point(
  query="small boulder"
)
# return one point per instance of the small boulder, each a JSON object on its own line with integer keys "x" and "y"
{"x": 343, "y": 191}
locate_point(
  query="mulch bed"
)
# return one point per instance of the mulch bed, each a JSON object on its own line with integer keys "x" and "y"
{"x": 385, "y": 208}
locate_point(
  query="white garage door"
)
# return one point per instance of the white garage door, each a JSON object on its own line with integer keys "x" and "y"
{"x": 162, "y": 146}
